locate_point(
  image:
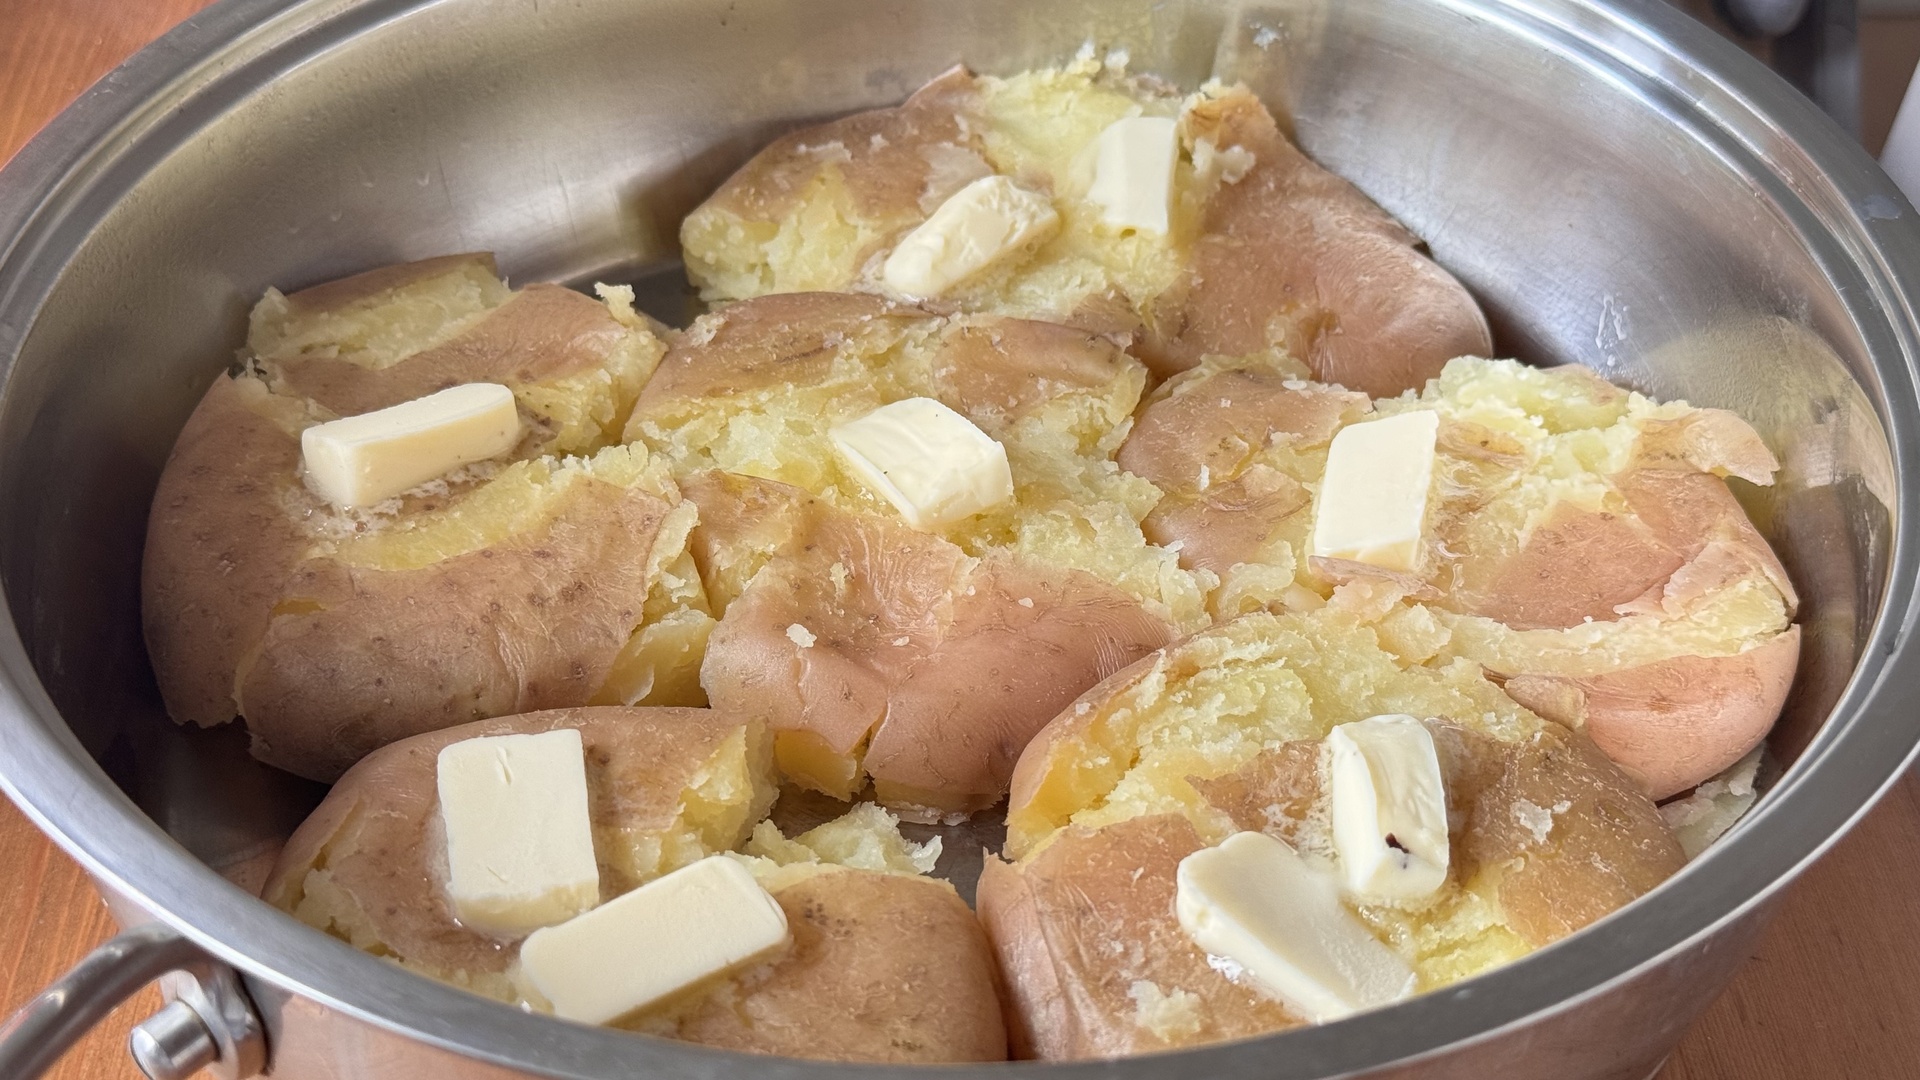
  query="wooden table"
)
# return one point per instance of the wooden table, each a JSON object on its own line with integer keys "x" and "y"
{"x": 1833, "y": 990}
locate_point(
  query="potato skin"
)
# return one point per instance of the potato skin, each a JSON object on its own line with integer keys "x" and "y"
{"x": 884, "y": 968}
{"x": 1197, "y": 437}
{"x": 1206, "y": 425}
{"x": 1578, "y": 565}
{"x": 1080, "y": 924}
{"x": 1295, "y": 249}
{"x": 359, "y": 657}
{"x": 927, "y": 657}
{"x": 1002, "y": 671}
{"x": 1674, "y": 723}
{"x": 218, "y": 548}
{"x": 1581, "y": 565}
{"x": 1565, "y": 837}
{"x": 989, "y": 368}
{"x": 995, "y": 370}
{"x": 374, "y": 833}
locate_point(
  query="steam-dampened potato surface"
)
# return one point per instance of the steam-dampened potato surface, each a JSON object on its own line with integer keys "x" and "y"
{"x": 1582, "y": 544}
{"x": 884, "y": 965}
{"x": 1266, "y": 251}
{"x": 537, "y": 581}
{"x": 1221, "y": 733}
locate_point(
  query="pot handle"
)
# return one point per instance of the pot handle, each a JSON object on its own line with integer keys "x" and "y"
{"x": 210, "y": 1020}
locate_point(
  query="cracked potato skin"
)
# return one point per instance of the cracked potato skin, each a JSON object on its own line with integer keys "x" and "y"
{"x": 1287, "y": 257}
{"x": 1078, "y": 924}
{"x": 1295, "y": 258}
{"x": 402, "y": 652}
{"x": 254, "y": 602}
{"x": 1673, "y": 723}
{"x": 543, "y": 333}
{"x": 1631, "y": 527}
{"x": 891, "y": 162}
{"x": 919, "y": 665}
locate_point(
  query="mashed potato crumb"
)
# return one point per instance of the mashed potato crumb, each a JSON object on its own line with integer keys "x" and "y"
{"x": 1171, "y": 1015}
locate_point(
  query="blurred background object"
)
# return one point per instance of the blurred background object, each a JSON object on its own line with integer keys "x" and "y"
{"x": 1856, "y": 58}
{"x": 1817, "y": 45}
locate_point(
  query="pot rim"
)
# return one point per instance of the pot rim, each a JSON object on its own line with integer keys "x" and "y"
{"x": 1856, "y": 221}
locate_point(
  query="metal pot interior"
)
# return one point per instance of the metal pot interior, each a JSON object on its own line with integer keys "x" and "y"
{"x": 1690, "y": 231}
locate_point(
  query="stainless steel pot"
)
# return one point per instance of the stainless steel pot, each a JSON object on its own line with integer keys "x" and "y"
{"x": 1618, "y": 186}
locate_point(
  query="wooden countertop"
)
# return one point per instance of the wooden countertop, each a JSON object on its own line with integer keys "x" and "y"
{"x": 1833, "y": 989}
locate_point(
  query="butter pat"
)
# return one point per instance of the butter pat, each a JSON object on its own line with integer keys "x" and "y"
{"x": 1389, "y": 808}
{"x": 979, "y": 225}
{"x": 1133, "y": 173}
{"x": 1254, "y": 901}
{"x": 360, "y": 460}
{"x": 1373, "y": 496}
{"x": 930, "y": 462}
{"x": 697, "y": 923}
{"x": 519, "y": 842}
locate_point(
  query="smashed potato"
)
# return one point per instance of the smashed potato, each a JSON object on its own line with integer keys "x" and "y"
{"x": 875, "y": 652}
{"x": 1581, "y": 544}
{"x": 1265, "y": 250}
{"x": 666, "y": 787}
{"x": 1222, "y": 733}
{"x": 536, "y": 582}
{"x": 884, "y": 965}
{"x": 755, "y": 388}
{"x": 921, "y": 661}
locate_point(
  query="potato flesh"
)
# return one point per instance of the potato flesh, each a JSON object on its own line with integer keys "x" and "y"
{"x": 1211, "y": 704}
{"x": 866, "y": 837}
{"x": 378, "y": 318}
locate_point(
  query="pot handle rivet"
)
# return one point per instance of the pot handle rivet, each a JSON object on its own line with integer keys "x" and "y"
{"x": 209, "y": 1022}
{"x": 173, "y": 1043}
